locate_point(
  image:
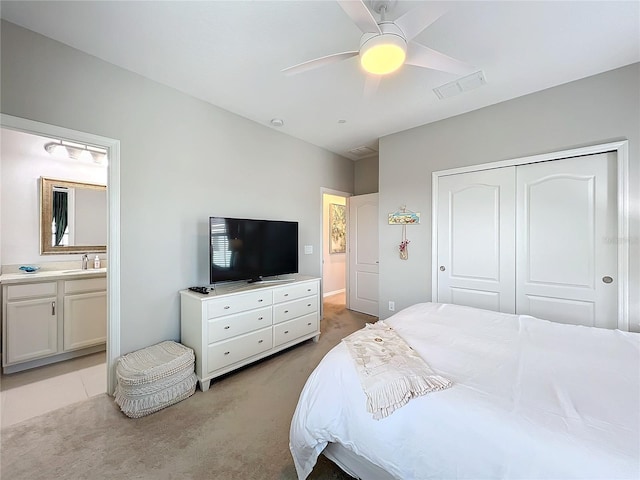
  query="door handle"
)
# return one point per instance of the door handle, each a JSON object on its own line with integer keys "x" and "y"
{"x": 607, "y": 279}
{"x": 442, "y": 269}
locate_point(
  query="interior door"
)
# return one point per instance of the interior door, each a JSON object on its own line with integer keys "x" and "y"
{"x": 476, "y": 245}
{"x": 567, "y": 259}
{"x": 363, "y": 253}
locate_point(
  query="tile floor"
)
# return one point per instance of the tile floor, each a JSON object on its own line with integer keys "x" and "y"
{"x": 27, "y": 394}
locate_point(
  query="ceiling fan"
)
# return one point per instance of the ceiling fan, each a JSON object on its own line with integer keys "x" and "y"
{"x": 387, "y": 45}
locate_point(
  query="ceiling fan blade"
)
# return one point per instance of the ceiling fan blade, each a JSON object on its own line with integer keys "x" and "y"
{"x": 417, "y": 19}
{"x": 319, "y": 62}
{"x": 360, "y": 15}
{"x": 422, "y": 56}
{"x": 371, "y": 83}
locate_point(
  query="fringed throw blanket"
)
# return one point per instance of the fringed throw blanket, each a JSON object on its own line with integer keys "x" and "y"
{"x": 390, "y": 371}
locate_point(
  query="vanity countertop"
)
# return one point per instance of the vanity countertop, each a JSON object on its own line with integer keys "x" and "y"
{"x": 40, "y": 275}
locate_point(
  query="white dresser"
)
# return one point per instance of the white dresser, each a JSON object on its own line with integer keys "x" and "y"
{"x": 240, "y": 323}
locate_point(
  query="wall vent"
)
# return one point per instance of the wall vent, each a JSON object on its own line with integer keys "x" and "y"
{"x": 463, "y": 84}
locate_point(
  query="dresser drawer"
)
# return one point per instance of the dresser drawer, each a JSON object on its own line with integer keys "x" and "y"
{"x": 232, "y": 325}
{"x": 31, "y": 290}
{"x": 290, "y": 310}
{"x": 219, "y": 307}
{"x": 293, "y": 292}
{"x": 85, "y": 285}
{"x": 239, "y": 348}
{"x": 288, "y": 331}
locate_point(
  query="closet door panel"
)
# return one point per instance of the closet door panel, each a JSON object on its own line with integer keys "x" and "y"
{"x": 476, "y": 247}
{"x": 566, "y": 217}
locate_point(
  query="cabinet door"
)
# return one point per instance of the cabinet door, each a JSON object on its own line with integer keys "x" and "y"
{"x": 32, "y": 329}
{"x": 85, "y": 320}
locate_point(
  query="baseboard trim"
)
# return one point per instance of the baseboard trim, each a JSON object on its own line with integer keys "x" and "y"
{"x": 334, "y": 292}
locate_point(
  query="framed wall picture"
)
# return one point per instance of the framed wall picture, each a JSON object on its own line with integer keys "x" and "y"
{"x": 337, "y": 228}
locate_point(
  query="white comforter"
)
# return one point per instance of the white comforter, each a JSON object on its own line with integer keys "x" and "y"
{"x": 531, "y": 399}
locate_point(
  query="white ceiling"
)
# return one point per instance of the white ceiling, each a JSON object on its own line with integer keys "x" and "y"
{"x": 231, "y": 53}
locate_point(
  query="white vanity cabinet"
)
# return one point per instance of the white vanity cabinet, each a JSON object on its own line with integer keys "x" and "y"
{"x": 32, "y": 320}
{"x": 239, "y": 324}
{"x": 85, "y": 313}
{"x": 50, "y": 319}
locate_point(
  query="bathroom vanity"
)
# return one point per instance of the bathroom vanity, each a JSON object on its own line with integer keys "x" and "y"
{"x": 51, "y": 316}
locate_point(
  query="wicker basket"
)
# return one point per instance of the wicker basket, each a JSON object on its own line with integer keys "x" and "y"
{"x": 154, "y": 378}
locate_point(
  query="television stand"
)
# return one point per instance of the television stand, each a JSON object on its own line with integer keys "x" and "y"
{"x": 235, "y": 325}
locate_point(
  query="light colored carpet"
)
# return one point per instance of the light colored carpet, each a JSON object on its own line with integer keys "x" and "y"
{"x": 239, "y": 429}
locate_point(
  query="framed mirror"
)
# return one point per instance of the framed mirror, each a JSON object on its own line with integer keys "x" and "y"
{"x": 73, "y": 217}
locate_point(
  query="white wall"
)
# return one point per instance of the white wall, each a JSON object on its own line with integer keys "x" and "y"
{"x": 181, "y": 161}
{"x": 23, "y": 160}
{"x": 334, "y": 264}
{"x": 366, "y": 176}
{"x": 593, "y": 110}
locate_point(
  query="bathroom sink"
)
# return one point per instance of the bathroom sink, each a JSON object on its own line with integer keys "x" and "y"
{"x": 89, "y": 270}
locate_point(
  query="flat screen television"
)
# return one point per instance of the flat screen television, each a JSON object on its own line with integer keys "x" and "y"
{"x": 246, "y": 249}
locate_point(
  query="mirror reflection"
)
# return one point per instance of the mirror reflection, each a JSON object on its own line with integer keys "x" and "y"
{"x": 73, "y": 217}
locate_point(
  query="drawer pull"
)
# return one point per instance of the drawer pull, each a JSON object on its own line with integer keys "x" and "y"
{"x": 226, "y": 327}
{"x": 286, "y": 294}
{"x": 227, "y": 353}
{"x": 308, "y": 304}
{"x": 309, "y": 324}
{"x": 260, "y": 318}
{"x": 286, "y": 331}
{"x": 308, "y": 289}
{"x": 260, "y": 341}
{"x": 259, "y": 300}
{"x": 227, "y": 307}
{"x": 286, "y": 311}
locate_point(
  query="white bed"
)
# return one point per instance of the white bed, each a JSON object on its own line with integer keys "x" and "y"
{"x": 531, "y": 399}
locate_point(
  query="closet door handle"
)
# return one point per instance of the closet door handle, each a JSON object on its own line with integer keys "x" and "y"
{"x": 442, "y": 269}
{"x": 53, "y": 308}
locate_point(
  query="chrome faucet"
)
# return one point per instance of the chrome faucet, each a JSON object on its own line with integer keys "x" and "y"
{"x": 85, "y": 261}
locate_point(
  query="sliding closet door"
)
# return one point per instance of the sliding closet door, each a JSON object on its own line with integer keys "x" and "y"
{"x": 566, "y": 253}
{"x": 476, "y": 244}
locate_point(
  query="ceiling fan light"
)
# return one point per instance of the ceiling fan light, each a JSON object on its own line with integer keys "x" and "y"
{"x": 383, "y": 54}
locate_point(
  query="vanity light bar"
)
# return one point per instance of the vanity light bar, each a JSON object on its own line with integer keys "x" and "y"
{"x": 76, "y": 151}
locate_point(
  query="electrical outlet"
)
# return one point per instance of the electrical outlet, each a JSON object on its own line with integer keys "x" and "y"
{"x": 392, "y": 306}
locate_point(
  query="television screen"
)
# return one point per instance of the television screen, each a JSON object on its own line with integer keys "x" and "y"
{"x": 245, "y": 249}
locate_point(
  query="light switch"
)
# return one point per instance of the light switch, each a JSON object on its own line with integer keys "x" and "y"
{"x": 308, "y": 249}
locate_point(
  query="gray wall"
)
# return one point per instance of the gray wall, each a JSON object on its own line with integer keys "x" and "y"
{"x": 366, "y": 176}
{"x": 182, "y": 160}
{"x": 593, "y": 110}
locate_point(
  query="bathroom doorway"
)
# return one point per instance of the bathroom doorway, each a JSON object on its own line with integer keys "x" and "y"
{"x": 76, "y": 379}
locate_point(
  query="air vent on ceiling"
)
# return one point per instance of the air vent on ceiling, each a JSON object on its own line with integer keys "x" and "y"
{"x": 362, "y": 152}
{"x": 463, "y": 84}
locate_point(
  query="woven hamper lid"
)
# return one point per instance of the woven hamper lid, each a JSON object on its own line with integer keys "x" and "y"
{"x": 153, "y": 363}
